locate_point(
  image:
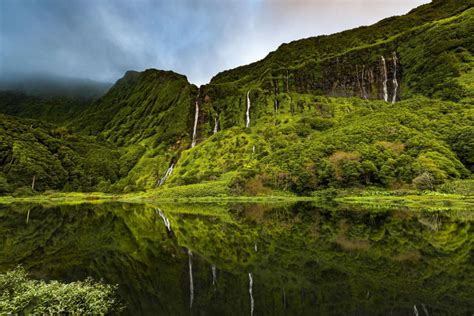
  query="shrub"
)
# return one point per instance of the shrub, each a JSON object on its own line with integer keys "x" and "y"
{"x": 425, "y": 181}
{"x": 21, "y": 295}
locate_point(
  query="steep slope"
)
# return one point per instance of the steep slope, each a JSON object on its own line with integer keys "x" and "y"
{"x": 152, "y": 105}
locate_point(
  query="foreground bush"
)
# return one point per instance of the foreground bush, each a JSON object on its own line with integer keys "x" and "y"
{"x": 19, "y": 294}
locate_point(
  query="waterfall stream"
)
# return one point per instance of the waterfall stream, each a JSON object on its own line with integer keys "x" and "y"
{"x": 395, "y": 81}
{"x": 247, "y": 113}
{"x": 216, "y": 125}
{"x": 165, "y": 220}
{"x": 251, "y": 294}
{"x": 415, "y": 310}
{"x": 167, "y": 174}
{"x": 385, "y": 90}
{"x": 196, "y": 117}
{"x": 191, "y": 284}
{"x": 214, "y": 275}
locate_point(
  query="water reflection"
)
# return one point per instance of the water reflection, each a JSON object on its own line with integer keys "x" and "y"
{"x": 309, "y": 260}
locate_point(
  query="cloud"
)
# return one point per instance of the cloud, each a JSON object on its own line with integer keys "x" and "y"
{"x": 101, "y": 39}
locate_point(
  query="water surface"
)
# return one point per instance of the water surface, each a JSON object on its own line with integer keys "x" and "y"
{"x": 244, "y": 259}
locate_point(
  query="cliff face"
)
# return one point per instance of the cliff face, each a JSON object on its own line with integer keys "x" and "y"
{"x": 346, "y": 76}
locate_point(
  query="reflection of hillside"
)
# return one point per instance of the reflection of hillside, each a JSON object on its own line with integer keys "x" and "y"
{"x": 309, "y": 259}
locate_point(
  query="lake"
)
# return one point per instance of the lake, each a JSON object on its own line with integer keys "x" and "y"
{"x": 250, "y": 258}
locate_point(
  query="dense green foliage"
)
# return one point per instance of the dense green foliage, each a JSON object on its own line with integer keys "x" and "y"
{"x": 19, "y": 294}
{"x": 318, "y": 119}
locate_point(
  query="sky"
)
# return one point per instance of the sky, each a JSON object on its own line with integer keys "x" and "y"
{"x": 101, "y": 39}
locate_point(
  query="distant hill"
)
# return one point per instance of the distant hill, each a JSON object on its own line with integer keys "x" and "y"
{"x": 47, "y": 85}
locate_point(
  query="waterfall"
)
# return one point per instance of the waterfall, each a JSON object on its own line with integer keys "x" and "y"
{"x": 255, "y": 247}
{"x": 253, "y": 149}
{"x": 385, "y": 91}
{"x": 216, "y": 125}
{"x": 165, "y": 220}
{"x": 196, "y": 117}
{"x": 191, "y": 285}
{"x": 167, "y": 174}
{"x": 248, "y": 110}
{"x": 251, "y": 294}
{"x": 214, "y": 275}
{"x": 415, "y": 310}
{"x": 395, "y": 82}
{"x": 425, "y": 309}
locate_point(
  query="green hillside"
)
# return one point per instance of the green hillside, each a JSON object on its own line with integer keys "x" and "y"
{"x": 388, "y": 105}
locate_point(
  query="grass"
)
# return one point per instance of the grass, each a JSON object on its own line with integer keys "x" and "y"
{"x": 209, "y": 193}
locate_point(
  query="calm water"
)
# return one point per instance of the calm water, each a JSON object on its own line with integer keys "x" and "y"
{"x": 244, "y": 259}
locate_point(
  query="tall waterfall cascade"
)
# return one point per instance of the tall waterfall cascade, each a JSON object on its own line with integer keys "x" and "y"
{"x": 252, "y": 303}
{"x": 196, "y": 118}
{"x": 167, "y": 174}
{"x": 165, "y": 220}
{"x": 385, "y": 78}
{"x": 191, "y": 284}
{"x": 247, "y": 113}
{"x": 395, "y": 81}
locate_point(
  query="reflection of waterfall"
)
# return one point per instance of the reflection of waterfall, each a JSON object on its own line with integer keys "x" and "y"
{"x": 196, "y": 117}
{"x": 251, "y": 293}
{"x": 191, "y": 285}
{"x": 385, "y": 91}
{"x": 165, "y": 220}
{"x": 167, "y": 174}
{"x": 247, "y": 113}
{"x": 28, "y": 216}
{"x": 214, "y": 275}
{"x": 395, "y": 82}
{"x": 216, "y": 125}
{"x": 284, "y": 299}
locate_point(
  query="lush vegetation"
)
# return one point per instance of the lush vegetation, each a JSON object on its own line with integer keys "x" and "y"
{"x": 19, "y": 294}
{"x": 317, "y": 120}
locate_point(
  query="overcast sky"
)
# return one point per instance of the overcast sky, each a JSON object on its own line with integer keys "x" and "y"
{"x": 101, "y": 39}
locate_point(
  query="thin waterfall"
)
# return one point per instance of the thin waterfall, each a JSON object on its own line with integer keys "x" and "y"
{"x": 167, "y": 174}
{"x": 251, "y": 294}
{"x": 165, "y": 220}
{"x": 415, "y": 310}
{"x": 385, "y": 91}
{"x": 247, "y": 113}
{"x": 255, "y": 247}
{"x": 425, "y": 309}
{"x": 191, "y": 284}
{"x": 395, "y": 81}
{"x": 216, "y": 125}
{"x": 253, "y": 149}
{"x": 196, "y": 117}
{"x": 214, "y": 275}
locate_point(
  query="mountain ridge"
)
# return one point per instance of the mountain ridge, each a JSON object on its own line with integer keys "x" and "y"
{"x": 360, "y": 118}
